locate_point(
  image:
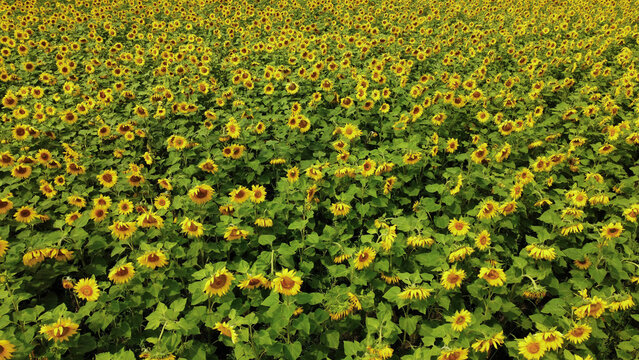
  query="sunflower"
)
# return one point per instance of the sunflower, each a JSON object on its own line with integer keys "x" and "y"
{"x": 219, "y": 283}
{"x": 452, "y": 278}
{"x": 209, "y": 166}
{"x": 532, "y": 347}
{"x": 460, "y": 253}
{"x": 286, "y": 282}
{"x": 340, "y": 209}
{"x": 153, "y": 259}
{"x": 136, "y": 179}
{"x": 72, "y": 217}
{"x": 415, "y": 292}
{"x": 25, "y": 214}
{"x": 494, "y": 276}
{"x": 125, "y": 206}
{"x": 122, "y": 230}
{"x": 485, "y": 344}
{"x": 33, "y": 257}
{"x": 552, "y": 339}
{"x": 458, "y": 227}
{"x": 6, "y": 349}
{"x": 292, "y": 174}
{"x": 364, "y": 258}
{"x": 240, "y": 195}
{"x": 368, "y": 168}
{"x": 87, "y": 289}
{"x": 578, "y": 334}
{"x": 234, "y": 233}
{"x": 258, "y": 194}
{"x": 264, "y": 222}
{"x": 226, "y": 330}
{"x": 541, "y": 252}
{"x": 165, "y": 184}
{"x": 61, "y": 330}
{"x": 201, "y": 194}
{"x": 583, "y": 264}
{"x": 460, "y": 320}
{"x": 108, "y": 178}
{"x": 488, "y": 210}
{"x": 482, "y": 241}
{"x": 595, "y": 308}
{"x": 612, "y": 230}
{"x": 454, "y": 354}
{"x": 21, "y": 171}
{"x": 5, "y": 205}
{"x": 192, "y": 228}
{"x": 4, "y": 245}
{"x": 6, "y": 159}
{"x": 253, "y": 282}
{"x": 162, "y": 202}
{"x": 122, "y": 274}
{"x": 412, "y": 158}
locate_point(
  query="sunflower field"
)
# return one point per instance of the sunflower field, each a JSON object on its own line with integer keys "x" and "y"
{"x": 319, "y": 179}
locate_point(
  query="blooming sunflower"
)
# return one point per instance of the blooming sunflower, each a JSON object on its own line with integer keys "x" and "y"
{"x": 253, "y": 282}
{"x": 494, "y": 276}
{"x": 21, "y": 171}
{"x": 454, "y": 354}
{"x": 219, "y": 283}
{"x": 532, "y": 347}
{"x": 226, "y": 330}
{"x": 25, "y": 214}
{"x": 488, "y": 210}
{"x": 578, "y": 334}
{"x": 201, "y": 194}
{"x": 122, "y": 274}
{"x": 87, "y": 289}
{"x": 595, "y": 308}
{"x": 452, "y": 278}
{"x": 122, "y": 230}
{"x": 364, "y": 258}
{"x": 258, "y": 194}
{"x": 368, "y": 168}
{"x": 125, "y": 207}
{"x": 240, "y": 195}
{"x": 61, "y": 330}
{"x": 5, "y": 205}
{"x": 6, "y": 349}
{"x": 293, "y": 174}
{"x": 461, "y": 320}
{"x": 192, "y": 228}
{"x": 458, "y": 227}
{"x": 286, "y": 282}
{"x": 552, "y": 339}
{"x": 482, "y": 241}
{"x": 153, "y": 259}
{"x": 612, "y": 230}
{"x": 108, "y": 178}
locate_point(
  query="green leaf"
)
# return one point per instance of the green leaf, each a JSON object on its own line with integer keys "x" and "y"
{"x": 332, "y": 339}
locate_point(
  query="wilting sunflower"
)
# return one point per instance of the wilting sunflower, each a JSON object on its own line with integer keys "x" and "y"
{"x": 201, "y": 194}
{"x": 541, "y": 252}
{"x": 340, "y": 209}
{"x": 25, "y": 214}
{"x": 226, "y": 330}
{"x": 532, "y": 347}
{"x": 419, "y": 241}
{"x": 494, "y": 276}
{"x": 460, "y": 253}
{"x": 253, "y": 282}
{"x": 122, "y": 274}
{"x": 415, "y": 292}
{"x": 286, "y": 282}
{"x": 219, "y": 283}
{"x": 122, "y": 230}
{"x": 452, "y": 278}
{"x": 108, "y": 178}
{"x": 485, "y": 344}
{"x": 458, "y": 227}
{"x": 87, "y": 289}
{"x": 61, "y": 330}
{"x": 578, "y": 334}
{"x": 364, "y": 258}
{"x": 595, "y": 308}
{"x": 234, "y": 233}
{"x": 153, "y": 259}
{"x": 192, "y": 228}
{"x": 460, "y": 320}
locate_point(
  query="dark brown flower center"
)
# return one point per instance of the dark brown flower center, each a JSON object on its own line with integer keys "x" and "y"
{"x": 219, "y": 281}
{"x": 287, "y": 283}
{"x": 533, "y": 347}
